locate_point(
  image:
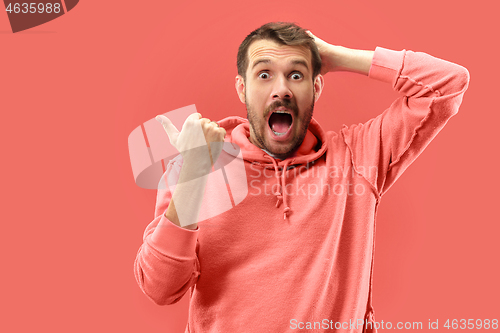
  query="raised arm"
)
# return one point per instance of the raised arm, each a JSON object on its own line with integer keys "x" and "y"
{"x": 431, "y": 91}
{"x": 167, "y": 264}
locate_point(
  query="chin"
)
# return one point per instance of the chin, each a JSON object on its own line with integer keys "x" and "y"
{"x": 282, "y": 149}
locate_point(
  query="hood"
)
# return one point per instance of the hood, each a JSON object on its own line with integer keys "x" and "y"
{"x": 312, "y": 148}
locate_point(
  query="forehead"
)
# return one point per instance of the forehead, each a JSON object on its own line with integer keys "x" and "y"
{"x": 275, "y": 53}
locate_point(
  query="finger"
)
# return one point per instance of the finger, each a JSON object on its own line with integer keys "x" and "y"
{"x": 316, "y": 39}
{"x": 221, "y": 133}
{"x": 194, "y": 116}
{"x": 171, "y": 130}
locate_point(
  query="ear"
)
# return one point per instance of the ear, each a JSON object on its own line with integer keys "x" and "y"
{"x": 240, "y": 88}
{"x": 319, "y": 83}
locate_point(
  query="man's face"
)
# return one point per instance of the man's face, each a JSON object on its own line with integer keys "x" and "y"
{"x": 279, "y": 93}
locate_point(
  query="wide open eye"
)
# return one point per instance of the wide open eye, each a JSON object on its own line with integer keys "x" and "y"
{"x": 297, "y": 76}
{"x": 264, "y": 75}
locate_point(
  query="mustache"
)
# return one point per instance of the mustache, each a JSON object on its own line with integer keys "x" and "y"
{"x": 282, "y": 103}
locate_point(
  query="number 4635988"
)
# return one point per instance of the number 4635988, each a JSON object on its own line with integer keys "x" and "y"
{"x": 471, "y": 324}
{"x": 33, "y": 8}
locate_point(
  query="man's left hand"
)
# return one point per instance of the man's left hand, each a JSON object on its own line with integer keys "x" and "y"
{"x": 325, "y": 51}
{"x": 338, "y": 58}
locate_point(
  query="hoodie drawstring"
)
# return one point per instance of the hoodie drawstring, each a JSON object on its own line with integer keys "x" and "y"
{"x": 281, "y": 196}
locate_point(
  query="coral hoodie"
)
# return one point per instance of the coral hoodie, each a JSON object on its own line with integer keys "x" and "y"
{"x": 297, "y": 253}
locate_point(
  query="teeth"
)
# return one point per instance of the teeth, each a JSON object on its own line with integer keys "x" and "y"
{"x": 278, "y": 134}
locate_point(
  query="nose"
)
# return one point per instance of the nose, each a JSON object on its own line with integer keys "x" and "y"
{"x": 281, "y": 90}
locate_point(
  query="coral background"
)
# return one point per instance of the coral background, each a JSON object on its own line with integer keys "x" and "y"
{"x": 72, "y": 90}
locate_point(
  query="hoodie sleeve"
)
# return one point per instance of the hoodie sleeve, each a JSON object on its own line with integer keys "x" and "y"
{"x": 431, "y": 92}
{"x": 167, "y": 265}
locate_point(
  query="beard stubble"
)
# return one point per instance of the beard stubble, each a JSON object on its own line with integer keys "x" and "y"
{"x": 259, "y": 140}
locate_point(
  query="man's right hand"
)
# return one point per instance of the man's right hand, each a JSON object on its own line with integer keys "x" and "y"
{"x": 196, "y": 133}
{"x": 191, "y": 142}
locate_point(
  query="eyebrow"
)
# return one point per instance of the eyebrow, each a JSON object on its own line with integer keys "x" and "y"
{"x": 267, "y": 61}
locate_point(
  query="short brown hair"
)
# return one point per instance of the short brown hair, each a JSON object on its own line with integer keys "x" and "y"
{"x": 283, "y": 33}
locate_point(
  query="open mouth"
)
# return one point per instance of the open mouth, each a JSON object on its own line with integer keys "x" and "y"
{"x": 280, "y": 122}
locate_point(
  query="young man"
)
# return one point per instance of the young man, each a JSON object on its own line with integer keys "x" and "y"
{"x": 297, "y": 252}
